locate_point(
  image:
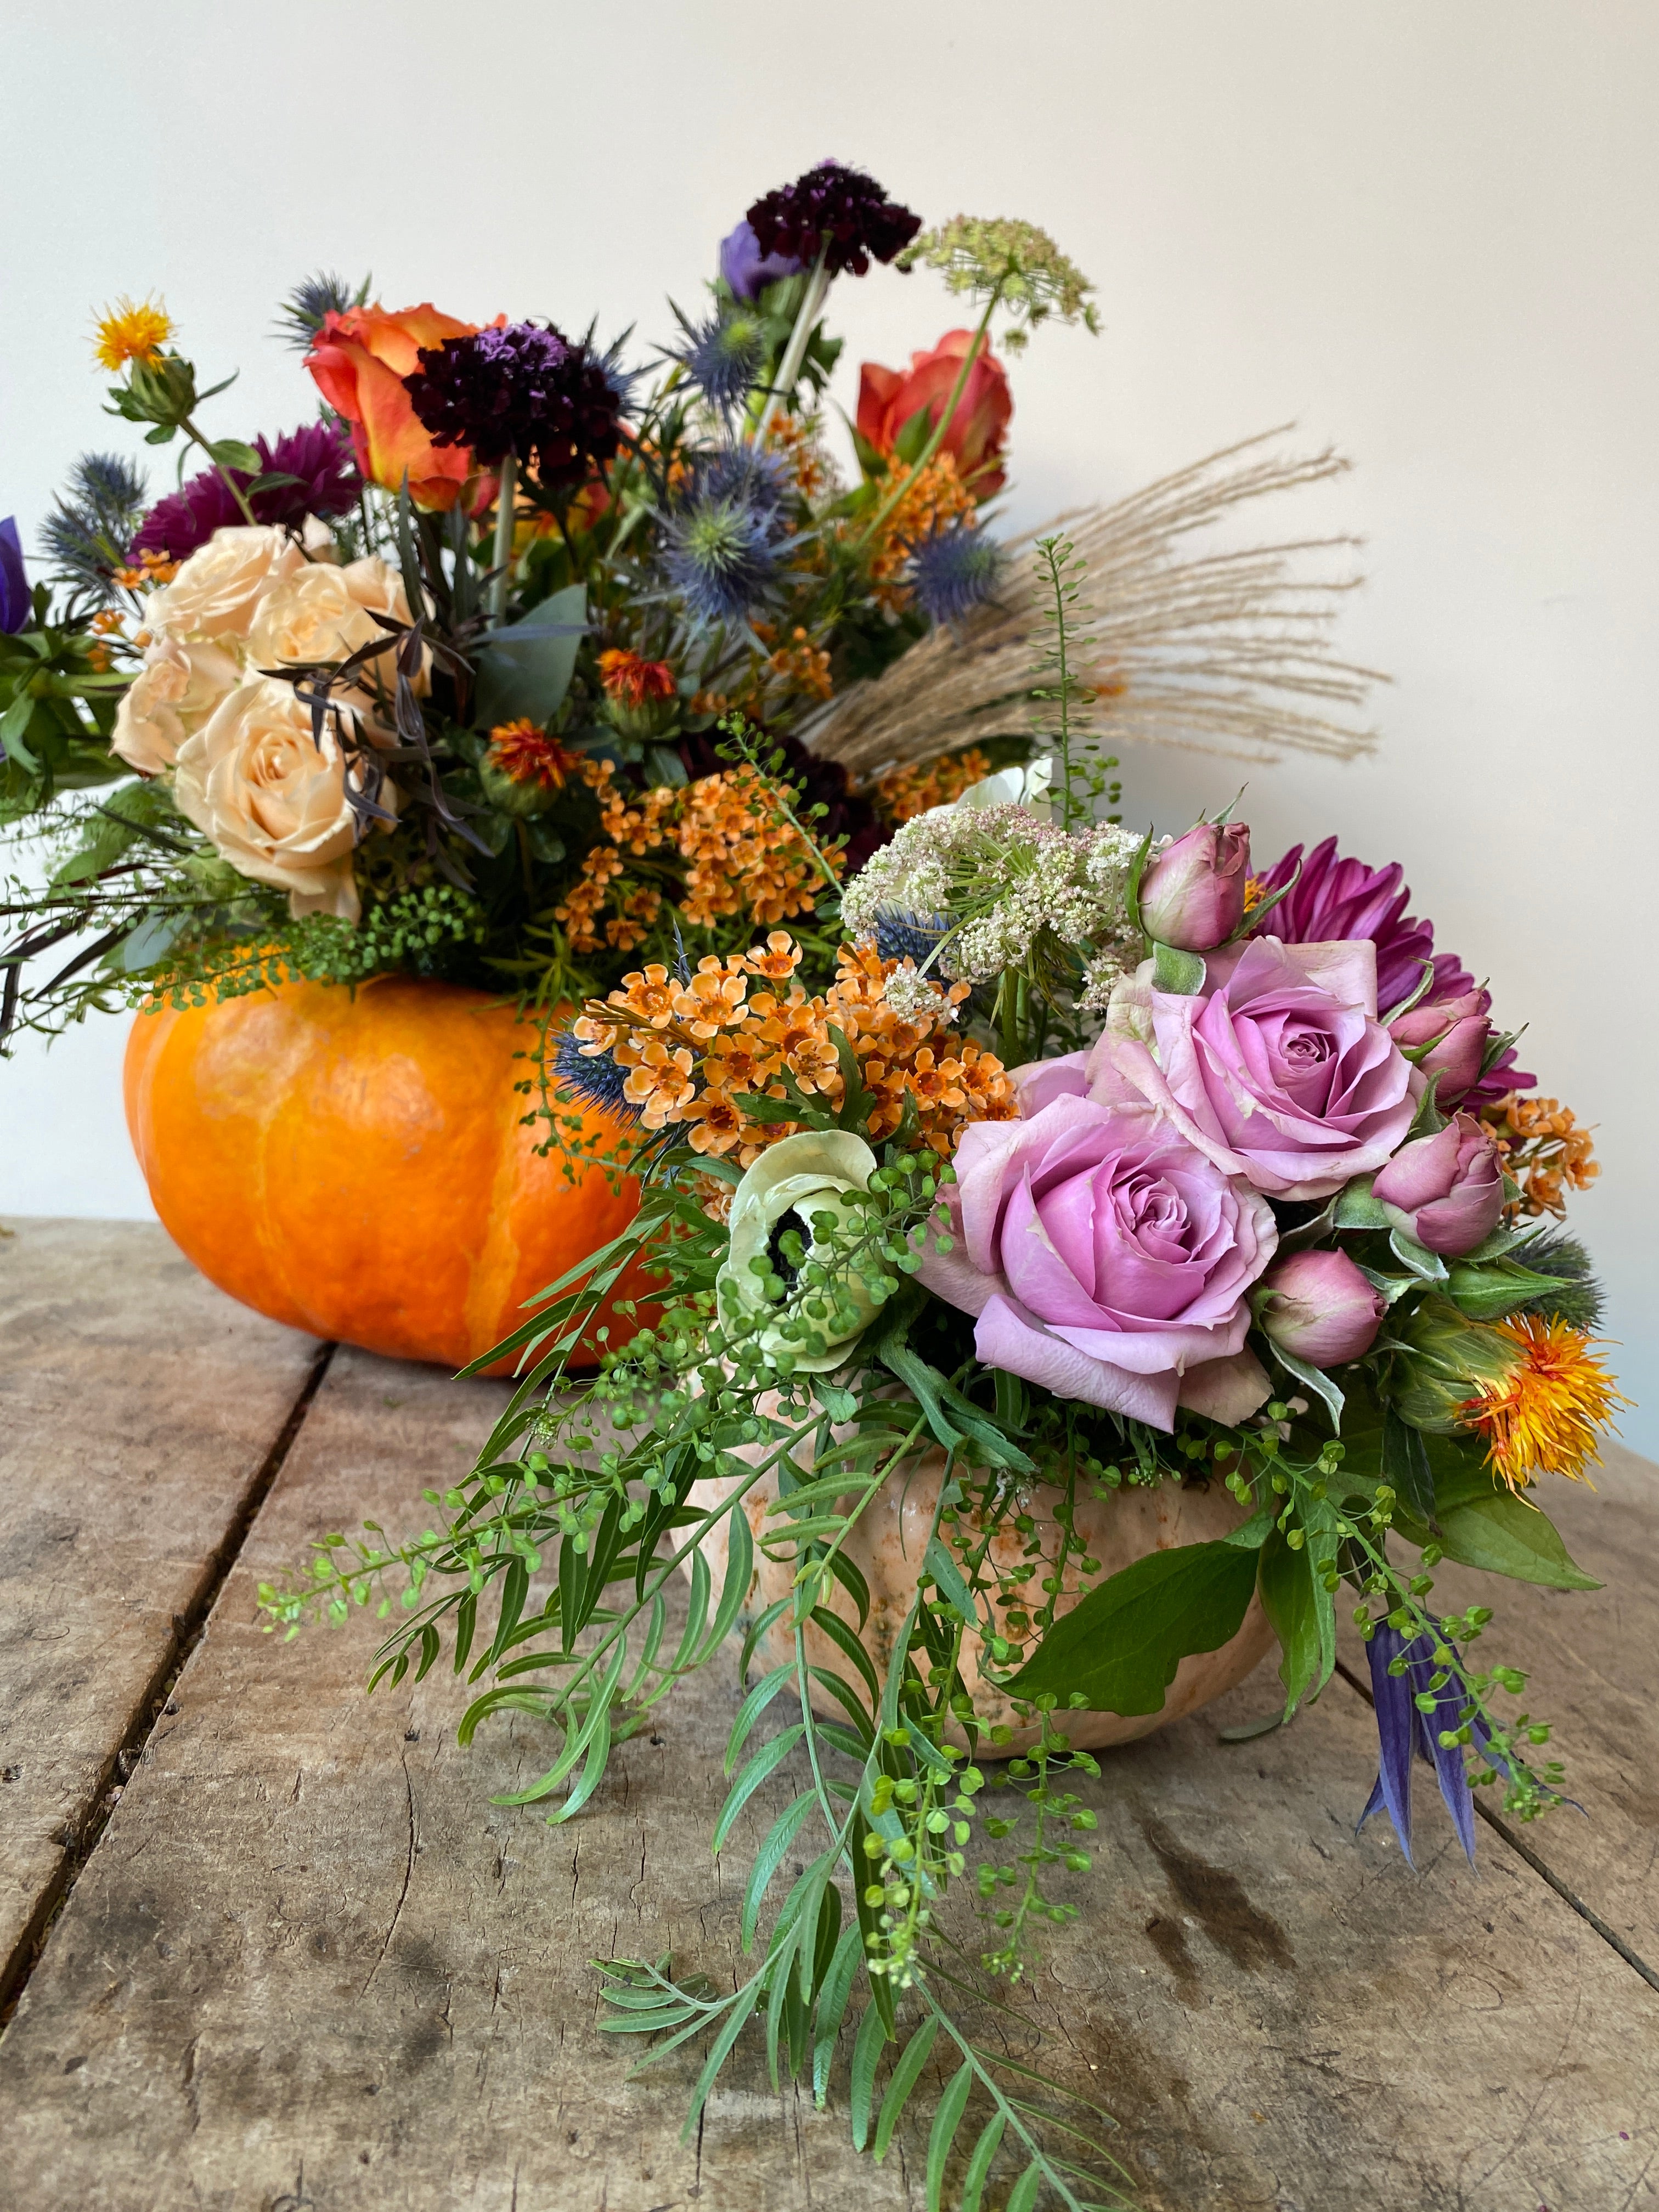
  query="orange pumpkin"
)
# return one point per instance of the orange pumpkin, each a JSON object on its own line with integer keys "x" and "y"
{"x": 356, "y": 1164}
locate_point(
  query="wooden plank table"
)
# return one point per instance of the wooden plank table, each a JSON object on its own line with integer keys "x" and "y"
{"x": 268, "y": 1946}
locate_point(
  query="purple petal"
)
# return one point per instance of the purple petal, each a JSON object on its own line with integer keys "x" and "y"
{"x": 15, "y": 605}
{"x": 1396, "y": 1717}
{"x": 1008, "y": 1338}
{"x": 1450, "y": 1769}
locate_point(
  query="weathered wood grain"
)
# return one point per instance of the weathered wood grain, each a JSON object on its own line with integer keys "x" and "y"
{"x": 1592, "y": 1662}
{"x": 310, "y": 1965}
{"x": 137, "y": 1405}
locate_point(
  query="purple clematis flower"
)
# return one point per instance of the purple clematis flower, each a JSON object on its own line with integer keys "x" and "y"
{"x": 1336, "y": 898}
{"x": 1402, "y": 1726}
{"x": 15, "y": 604}
{"x": 1402, "y": 1729}
{"x": 747, "y": 269}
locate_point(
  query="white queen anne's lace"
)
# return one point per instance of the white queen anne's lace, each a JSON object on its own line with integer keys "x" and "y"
{"x": 1002, "y": 875}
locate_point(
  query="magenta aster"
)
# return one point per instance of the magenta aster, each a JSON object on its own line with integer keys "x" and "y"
{"x": 1335, "y": 899}
{"x": 318, "y": 456}
{"x": 842, "y": 213}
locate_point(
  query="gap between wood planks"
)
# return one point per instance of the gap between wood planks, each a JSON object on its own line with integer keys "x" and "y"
{"x": 81, "y": 1840}
{"x": 1524, "y": 1851}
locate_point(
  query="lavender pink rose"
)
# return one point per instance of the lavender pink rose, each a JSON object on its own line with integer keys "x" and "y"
{"x": 1446, "y": 1190}
{"x": 1106, "y": 1258}
{"x": 1278, "y": 1071}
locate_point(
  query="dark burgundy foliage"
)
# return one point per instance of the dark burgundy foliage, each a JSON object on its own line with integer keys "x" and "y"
{"x": 841, "y": 212}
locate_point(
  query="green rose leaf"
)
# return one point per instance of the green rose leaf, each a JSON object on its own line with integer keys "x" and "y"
{"x": 1507, "y": 1535}
{"x": 1120, "y": 1646}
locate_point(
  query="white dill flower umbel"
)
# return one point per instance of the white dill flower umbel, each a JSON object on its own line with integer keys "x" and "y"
{"x": 1005, "y": 878}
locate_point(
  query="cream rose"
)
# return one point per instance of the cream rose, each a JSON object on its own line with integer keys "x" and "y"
{"x": 310, "y": 615}
{"x": 273, "y": 799}
{"x": 169, "y": 700}
{"x": 217, "y": 592}
{"x": 323, "y": 613}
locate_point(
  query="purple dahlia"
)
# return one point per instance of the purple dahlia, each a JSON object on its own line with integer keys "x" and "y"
{"x": 318, "y": 456}
{"x": 842, "y": 213}
{"x": 521, "y": 389}
{"x": 1336, "y": 898}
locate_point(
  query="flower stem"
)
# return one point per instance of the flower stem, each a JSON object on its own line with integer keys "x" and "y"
{"x": 506, "y": 507}
{"x": 811, "y": 307}
{"x": 231, "y": 484}
{"x": 947, "y": 413}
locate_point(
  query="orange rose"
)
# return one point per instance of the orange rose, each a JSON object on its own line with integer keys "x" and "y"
{"x": 976, "y": 435}
{"x": 359, "y": 360}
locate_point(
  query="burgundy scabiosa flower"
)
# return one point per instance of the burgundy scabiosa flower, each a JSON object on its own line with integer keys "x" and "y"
{"x": 318, "y": 456}
{"x": 1336, "y": 898}
{"x": 842, "y": 213}
{"x": 526, "y": 389}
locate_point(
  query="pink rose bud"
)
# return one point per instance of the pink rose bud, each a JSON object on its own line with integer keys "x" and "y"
{"x": 1318, "y": 1307}
{"x": 1447, "y": 1190}
{"x": 1458, "y": 1028}
{"x": 1192, "y": 895}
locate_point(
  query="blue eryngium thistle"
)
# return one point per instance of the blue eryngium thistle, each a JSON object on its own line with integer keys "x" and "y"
{"x": 954, "y": 571}
{"x": 908, "y": 936}
{"x": 86, "y": 535}
{"x": 723, "y": 357}
{"x": 303, "y": 313}
{"x": 596, "y": 1082}
{"x": 724, "y": 539}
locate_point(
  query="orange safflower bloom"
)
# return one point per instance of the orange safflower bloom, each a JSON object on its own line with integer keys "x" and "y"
{"x": 632, "y": 682}
{"x": 525, "y": 754}
{"x": 1545, "y": 1415}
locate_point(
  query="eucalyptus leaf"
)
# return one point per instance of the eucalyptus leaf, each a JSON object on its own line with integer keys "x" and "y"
{"x": 524, "y": 668}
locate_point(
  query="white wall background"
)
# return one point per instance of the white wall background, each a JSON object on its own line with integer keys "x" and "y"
{"x": 1426, "y": 231}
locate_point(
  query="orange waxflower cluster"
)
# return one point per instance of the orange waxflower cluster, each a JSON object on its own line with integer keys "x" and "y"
{"x": 742, "y": 856}
{"x": 799, "y": 445}
{"x": 932, "y": 497}
{"x": 1547, "y": 1414}
{"x": 1543, "y": 1149}
{"x": 155, "y": 567}
{"x": 911, "y": 791}
{"x": 693, "y": 1051}
{"x": 803, "y": 666}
